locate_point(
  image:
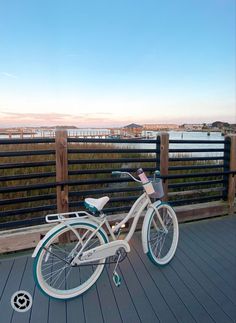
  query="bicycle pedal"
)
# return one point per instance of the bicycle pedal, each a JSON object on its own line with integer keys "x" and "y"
{"x": 116, "y": 279}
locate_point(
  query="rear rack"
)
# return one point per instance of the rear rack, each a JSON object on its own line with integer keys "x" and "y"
{"x": 61, "y": 217}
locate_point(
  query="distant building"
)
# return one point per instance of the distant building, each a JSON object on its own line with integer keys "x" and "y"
{"x": 192, "y": 126}
{"x": 157, "y": 127}
{"x": 132, "y": 130}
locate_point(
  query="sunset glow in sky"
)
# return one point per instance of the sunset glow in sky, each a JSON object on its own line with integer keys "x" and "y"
{"x": 108, "y": 63}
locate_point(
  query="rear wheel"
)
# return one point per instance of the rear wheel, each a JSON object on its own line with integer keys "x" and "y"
{"x": 162, "y": 241}
{"x": 53, "y": 271}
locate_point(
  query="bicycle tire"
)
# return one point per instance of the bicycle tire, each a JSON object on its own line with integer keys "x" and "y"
{"x": 55, "y": 253}
{"x": 161, "y": 245}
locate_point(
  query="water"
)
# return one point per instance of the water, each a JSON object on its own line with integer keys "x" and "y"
{"x": 195, "y": 135}
{"x": 198, "y": 136}
{"x": 173, "y": 135}
{"x": 185, "y": 135}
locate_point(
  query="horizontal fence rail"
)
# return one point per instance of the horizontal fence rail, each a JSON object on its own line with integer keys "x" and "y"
{"x": 48, "y": 175}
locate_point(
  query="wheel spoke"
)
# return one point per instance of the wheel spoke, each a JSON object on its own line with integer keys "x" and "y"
{"x": 48, "y": 265}
{"x": 162, "y": 241}
{"x": 53, "y": 270}
{"x": 53, "y": 282}
{"x": 53, "y": 273}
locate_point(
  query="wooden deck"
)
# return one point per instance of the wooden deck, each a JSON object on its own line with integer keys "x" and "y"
{"x": 199, "y": 285}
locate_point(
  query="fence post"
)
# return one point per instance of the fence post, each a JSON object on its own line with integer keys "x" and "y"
{"x": 231, "y": 189}
{"x": 61, "y": 170}
{"x": 164, "y": 160}
{"x": 158, "y": 152}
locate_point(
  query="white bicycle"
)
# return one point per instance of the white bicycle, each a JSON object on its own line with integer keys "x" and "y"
{"x": 72, "y": 255}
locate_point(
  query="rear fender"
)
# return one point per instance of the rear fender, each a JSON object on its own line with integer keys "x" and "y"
{"x": 62, "y": 225}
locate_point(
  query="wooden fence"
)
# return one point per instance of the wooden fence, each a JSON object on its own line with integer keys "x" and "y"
{"x": 47, "y": 175}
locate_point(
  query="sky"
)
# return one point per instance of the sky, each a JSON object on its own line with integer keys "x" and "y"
{"x": 100, "y": 63}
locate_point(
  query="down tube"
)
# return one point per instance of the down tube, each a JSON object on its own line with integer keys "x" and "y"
{"x": 135, "y": 212}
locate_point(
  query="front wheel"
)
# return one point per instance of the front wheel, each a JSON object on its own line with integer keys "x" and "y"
{"x": 161, "y": 242}
{"x": 53, "y": 271}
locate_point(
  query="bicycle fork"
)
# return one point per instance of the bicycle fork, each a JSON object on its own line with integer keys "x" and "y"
{"x": 160, "y": 219}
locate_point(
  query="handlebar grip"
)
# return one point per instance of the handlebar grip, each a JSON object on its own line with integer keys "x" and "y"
{"x": 116, "y": 172}
{"x": 157, "y": 173}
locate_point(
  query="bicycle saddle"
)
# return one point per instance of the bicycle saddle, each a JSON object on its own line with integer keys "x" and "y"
{"x": 95, "y": 205}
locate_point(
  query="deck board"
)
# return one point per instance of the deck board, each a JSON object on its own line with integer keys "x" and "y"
{"x": 199, "y": 285}
{"x": 40, "y": 308}
{"x": 12, "y": 285}
{"x": 212, "y": 239}
{"x": 207, "y": 257}
{"x": 125, "y": 303}
{"x": 5, "y": 270}
{"x": 170, "y": 295}
{"x": 107, "y": 298}
{"x": 75, "y": 310}
{"x": 207, "y": 282}
{"x": 137, "y": 293}
{"x": 160, "y": 306}
{"x": 27, "y": 284}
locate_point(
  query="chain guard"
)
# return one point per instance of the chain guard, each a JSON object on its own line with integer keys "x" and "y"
{"x": 112, "y": 260}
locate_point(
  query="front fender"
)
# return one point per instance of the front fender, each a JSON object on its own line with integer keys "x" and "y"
{"x": 145, "y": 225}
{"x": 62, "y": 225}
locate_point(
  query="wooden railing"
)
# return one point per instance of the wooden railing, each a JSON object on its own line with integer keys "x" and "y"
{"x": 48, "y": 175}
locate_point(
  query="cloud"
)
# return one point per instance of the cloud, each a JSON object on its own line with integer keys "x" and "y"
{"x": 13, "y": 119}
{"x": 10, "y": 75}
{"x": 96, "y": 119}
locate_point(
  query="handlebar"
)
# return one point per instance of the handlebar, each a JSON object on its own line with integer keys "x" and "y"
{"x": 116, "y": 172}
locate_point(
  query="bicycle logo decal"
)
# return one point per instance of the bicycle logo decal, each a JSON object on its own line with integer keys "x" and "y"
{"x": 21, "y": 301}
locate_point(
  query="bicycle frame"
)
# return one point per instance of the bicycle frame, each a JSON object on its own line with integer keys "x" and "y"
{"x": 135, "y": 212}
{"x": 92, "y": 241}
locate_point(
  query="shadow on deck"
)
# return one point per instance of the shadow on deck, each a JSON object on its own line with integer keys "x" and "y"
{"x": 199, "y": 285}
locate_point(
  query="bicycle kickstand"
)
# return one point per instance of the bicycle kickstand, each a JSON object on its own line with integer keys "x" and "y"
{"x": 115, "y": 276}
